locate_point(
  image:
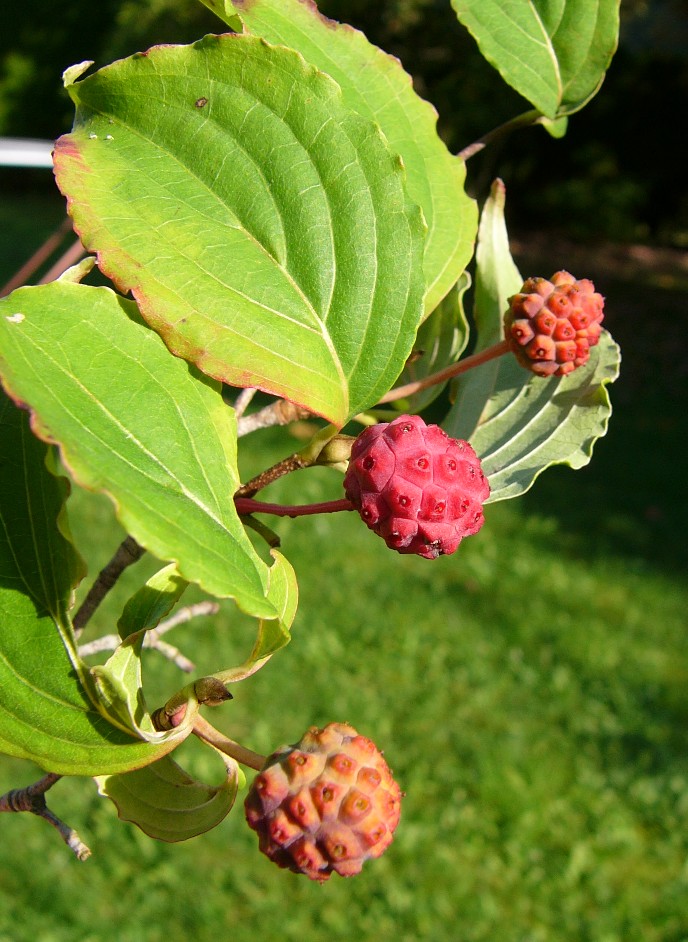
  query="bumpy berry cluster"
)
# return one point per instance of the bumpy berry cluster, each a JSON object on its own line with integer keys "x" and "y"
{"x": 551, "y": 325}
{"x": 326, "y": 804}
{"x": 416, "y": 487}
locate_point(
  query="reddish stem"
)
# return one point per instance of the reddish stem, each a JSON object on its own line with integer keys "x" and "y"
{"x": 246, "y": 505}
{"x": 477, "y": 359}
{"x": 70, "y": 257}
{"x": 41, "y": 254}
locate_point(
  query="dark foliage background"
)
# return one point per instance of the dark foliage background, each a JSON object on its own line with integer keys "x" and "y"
{"x": 618, "y": 174}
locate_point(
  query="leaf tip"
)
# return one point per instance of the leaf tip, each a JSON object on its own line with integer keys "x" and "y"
{"x": 74, "y": 72}
{"x": 498, "y": 191}
{"x": 76, "y": 273}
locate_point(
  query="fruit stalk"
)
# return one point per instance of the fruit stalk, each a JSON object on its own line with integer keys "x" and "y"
{"x": 449, "y": 372}
{"x": 205, "y": 731}
{"x": 246, "y": 505}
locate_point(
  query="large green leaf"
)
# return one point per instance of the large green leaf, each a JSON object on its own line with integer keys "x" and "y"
{"x": 262, "y": 225}
{"x": 375, "y": 85}
{"x": 518, "y": 423}
{"x": 45, "y": 713}
{"x": 166, "y": 803}
{"x": 138, "y": 424}
{"x": 553, "y": 52}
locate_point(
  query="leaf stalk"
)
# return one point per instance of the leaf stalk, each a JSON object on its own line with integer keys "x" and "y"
{"x": 503, "y": 130}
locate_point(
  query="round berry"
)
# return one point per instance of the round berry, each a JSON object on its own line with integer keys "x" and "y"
{"x": 551, "y": 325}
{"x": 330, "y": 813}
{"x": 419, "y": 501}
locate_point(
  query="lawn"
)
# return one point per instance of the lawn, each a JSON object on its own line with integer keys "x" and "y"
{"x": 530, "y": 693}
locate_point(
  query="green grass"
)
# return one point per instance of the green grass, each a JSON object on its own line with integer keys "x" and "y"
{"x": 530, "y": 693}
{"x": 532, "y": 704}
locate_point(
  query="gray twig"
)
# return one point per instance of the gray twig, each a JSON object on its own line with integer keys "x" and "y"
{"x": 279, "y": 412}
{"x": 186, "y": 614}
{"x": 153, "y": 640}
{"x": 32, "y": 799}
{"x": 127, "y": 554}
{"x": 243, "y": 400}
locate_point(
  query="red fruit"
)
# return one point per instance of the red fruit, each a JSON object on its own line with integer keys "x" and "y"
{"x": 551, "y": 325}
{"x": 333, "y": 818}
{"x": 416, "y": 487}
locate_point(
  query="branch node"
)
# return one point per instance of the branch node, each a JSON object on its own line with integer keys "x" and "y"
{"x": 32, "y": 799}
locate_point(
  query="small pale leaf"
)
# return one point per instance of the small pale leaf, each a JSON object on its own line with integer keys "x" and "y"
{"x": 116, "y": 687}
{"x": 78, "y": 272}
{"x": 556, "y": 128}
{"x": 166, "y": 803}
{"x": 153, "y": 602}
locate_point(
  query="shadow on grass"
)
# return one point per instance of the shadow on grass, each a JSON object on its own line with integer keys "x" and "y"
{"x": 630, "y": 501}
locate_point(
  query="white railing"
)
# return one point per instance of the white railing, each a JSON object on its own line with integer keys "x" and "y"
{"x": 25, "y": 152}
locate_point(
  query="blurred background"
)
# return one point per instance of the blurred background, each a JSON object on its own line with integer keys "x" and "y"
{"x": 531, "y": 692}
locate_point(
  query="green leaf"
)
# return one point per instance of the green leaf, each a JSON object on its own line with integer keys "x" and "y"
{"x": 518, "y": 423}
{"x": 45, "y": 713}
{"x": 375, "y": 85}
{"x": 497, "y": 278}
{"x": 151, "y": 603}
{"x": 532, "y": 423}
{"x": 137, "y": 424}
{"x": 261, "y": 224}
{"x": 272, "y": 635}
{"x": 441, "y": 340}
{"x": 116, "y": 687}
{"x": 166, "y": 803}
{"x": 556, "y": 128}
{"x": 553, "y": 52}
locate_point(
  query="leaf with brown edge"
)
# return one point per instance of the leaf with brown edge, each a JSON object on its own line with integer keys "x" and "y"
{"x": 261, "y": 224}
{"x": 375, "y": 85}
